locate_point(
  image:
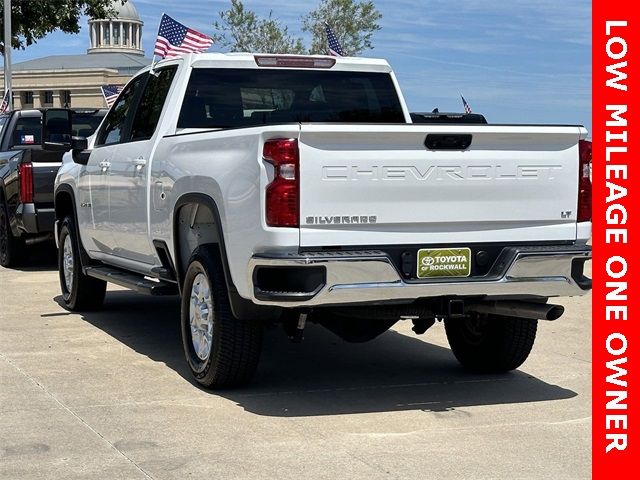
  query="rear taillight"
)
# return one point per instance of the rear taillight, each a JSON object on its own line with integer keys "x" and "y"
{"x": 283, "y": 193}
{"x": 25, "y": 174}
{"x": 584, "y": 182}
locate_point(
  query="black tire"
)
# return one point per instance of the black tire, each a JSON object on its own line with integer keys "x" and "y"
{"x": 491, "y": 343}
{"x": 235, "y": 344}
{"x": 84, "y": 292}
{"x": 11, "y": 248}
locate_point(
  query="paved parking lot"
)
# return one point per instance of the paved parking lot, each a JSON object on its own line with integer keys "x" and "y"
{"x": 106, "y": 395}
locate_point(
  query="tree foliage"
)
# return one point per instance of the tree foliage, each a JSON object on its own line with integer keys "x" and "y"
{"x": 353, "y": 22}
{"x": 241, "y": 30}
{"x": 32, "y": 20}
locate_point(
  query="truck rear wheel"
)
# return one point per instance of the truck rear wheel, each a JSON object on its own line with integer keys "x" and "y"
{"x": 79, "y": 291}
{"x": 11, "y": 248}
{"x": 491, "y": 343}
{"x": 221, "y": 350}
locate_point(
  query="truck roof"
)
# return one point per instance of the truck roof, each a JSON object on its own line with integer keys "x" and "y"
{"x": 250, "y": 60}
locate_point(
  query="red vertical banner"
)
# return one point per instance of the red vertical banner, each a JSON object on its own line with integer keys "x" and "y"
{"x": 616, "y": 296}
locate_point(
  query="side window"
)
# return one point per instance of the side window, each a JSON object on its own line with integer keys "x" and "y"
{"x": 151, "y": 103}
{"x": 113, "y": 129}
{"x": 3, "y": 120}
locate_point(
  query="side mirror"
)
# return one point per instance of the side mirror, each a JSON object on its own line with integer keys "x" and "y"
{"x": 79, "y": 151}
{"x": 56, "y": 129}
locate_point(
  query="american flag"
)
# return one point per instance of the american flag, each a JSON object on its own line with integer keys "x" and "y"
{"x": 4, "y": 106}
{"x": 110, "y": 93}
{"x": 467, "y": 108}
{"x": 175, "y": 39}
{"x": 334, "y": 46}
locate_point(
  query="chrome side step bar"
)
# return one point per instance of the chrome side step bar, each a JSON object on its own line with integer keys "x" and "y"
{"x": 132, "y": 281}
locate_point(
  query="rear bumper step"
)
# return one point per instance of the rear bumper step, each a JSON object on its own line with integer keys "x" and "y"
{"x": 132, "y": 281}
{"x": 370, "y": 277}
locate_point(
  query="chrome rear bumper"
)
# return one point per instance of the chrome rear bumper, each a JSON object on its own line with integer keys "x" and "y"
{"x": 353, "y": 277}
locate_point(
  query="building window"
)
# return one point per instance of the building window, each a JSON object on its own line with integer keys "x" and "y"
{"x": 125, "y": 34}
{"x": 116, "y": 34}
{"x": 27, "y": 98}
{"x": 65, "y": 98}
{"x": 47, "y": 96}
{"x": 106, "y": 38}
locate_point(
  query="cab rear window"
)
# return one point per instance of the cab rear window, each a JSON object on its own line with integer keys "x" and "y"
{"x": 27, "y": 131}
{"x": 223, "y": 98}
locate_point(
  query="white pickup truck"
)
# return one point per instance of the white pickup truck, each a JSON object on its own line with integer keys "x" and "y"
{"x": 266, "y": 188}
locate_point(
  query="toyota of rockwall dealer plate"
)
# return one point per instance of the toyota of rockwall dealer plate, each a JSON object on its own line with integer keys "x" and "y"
{"x": 291, "y": 189}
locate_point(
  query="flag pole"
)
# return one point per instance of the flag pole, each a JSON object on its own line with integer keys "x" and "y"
{"x": 153, "y": 60}
{"x": 7, "y": 51}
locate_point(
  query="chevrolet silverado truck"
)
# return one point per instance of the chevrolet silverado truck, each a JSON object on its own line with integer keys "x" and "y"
{"x": 27, "y": 173}
{"x": 292, "y": 189}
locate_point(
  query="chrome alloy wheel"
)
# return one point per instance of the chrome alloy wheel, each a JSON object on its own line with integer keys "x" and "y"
{"x": 201, "y": 316}
{"x": 67, "y": 263}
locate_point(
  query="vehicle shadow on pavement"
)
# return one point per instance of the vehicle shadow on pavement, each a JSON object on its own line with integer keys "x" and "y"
{"x": 324, "y": 375}
{"x": 42, "y": 257}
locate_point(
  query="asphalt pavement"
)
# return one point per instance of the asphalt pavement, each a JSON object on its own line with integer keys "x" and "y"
{"x": 107, "y": 395}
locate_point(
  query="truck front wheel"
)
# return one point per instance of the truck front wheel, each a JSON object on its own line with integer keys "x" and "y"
{"x": 79, "y": 291}
{"x": 491, "y": 343}
{"x": 222, "y": 351}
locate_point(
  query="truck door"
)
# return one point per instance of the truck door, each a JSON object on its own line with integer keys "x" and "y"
{"x": 93, "y": 186}
{"x": 129, "y": 177}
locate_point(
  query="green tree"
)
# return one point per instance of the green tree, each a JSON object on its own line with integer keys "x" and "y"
{"x": 241, "y": 30}
{"x": 353, "y": 22}
{"x": 32, "y": 20}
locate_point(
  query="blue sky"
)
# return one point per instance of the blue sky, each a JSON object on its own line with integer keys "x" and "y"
{"x": 515, "y": 61}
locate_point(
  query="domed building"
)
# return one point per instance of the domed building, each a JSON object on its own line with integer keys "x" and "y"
{"x": 122, "y": 34}
{"x": 115, "y": 53}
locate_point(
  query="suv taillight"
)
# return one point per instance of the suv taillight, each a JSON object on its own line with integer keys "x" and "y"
{"x": 283, "y": 193}
{"x": 25, "y": 174}
{"x": 584, "y": 182}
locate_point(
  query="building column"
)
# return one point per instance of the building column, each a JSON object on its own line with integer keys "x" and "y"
{"x": 93, "y": 35}
{"x": 111, "y": 34}
{"x": 100, "y": 34}
{"x": 36, "y": 99}
{"x": 56, "y": 99}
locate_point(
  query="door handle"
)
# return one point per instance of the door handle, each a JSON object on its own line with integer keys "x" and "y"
{"x": 139, "y": 164}
{"x": 105, "y": 165}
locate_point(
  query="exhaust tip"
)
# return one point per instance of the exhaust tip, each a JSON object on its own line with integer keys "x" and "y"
{"x": 554, "y": 312}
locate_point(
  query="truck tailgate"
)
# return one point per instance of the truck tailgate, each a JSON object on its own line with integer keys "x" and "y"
{"x": 380, "y": 185}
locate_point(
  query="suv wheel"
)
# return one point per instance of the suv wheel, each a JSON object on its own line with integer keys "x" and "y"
{"x": 79, "y": 291}
{"x": 491, "y": 343}
{"x": 221, "y": 350}
{"x": 11, "y": 248}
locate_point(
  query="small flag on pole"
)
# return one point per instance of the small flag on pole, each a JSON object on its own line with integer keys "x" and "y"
{"x": 467, "y": 108}
{"x": 110, "y": 93}
{"x": 334, "y": 46}
{"x": 175, "y": 39}
{"x": 6, "y": 100}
